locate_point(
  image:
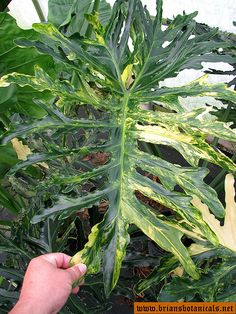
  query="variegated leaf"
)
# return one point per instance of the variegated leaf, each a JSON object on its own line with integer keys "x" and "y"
{"x": 114, "y": 79}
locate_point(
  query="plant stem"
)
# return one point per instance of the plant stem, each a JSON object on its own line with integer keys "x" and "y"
{"x": 216, "y": 139}
{"x": 39, "y": 10}
{"x": 95, "y": 9}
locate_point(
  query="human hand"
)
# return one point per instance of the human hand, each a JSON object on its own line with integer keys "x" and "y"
{"x": 47, "y": 284}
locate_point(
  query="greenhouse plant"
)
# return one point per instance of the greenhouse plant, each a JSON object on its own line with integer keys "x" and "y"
{"x": 101, "y": 160}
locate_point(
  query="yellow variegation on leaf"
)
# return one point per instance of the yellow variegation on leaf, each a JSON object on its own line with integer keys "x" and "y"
{"x": 226, "y": 233}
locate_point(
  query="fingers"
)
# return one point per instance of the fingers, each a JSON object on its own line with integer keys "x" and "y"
{"x": 76, "y": 272}
{"x": 75, "y": 290}
{"x": 59, "y": 260}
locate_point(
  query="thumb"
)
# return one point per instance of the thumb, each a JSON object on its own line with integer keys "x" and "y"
{"x": 76, "y": 272}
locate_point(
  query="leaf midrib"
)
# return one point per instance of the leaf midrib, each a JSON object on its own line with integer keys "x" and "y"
{"x": 124, "y": 108}
{"x": 123, "y": 141}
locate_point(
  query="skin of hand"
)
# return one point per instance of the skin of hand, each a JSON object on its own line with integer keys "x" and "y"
{"x": 47, "y": 284}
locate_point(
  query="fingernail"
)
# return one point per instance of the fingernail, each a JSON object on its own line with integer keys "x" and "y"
{"x": 82, "y": 268}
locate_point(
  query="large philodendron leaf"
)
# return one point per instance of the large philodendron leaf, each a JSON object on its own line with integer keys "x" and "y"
{"x": 114, "y": 79}
{"x": 14, "y": 58}
{"x": 69, "y": 15}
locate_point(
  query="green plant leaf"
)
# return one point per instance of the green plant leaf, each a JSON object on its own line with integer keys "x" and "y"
{"x": 7, "y": 201}
{"x": 13, "y": 57}
{"x": 66, "y": 206}
{"x": 42, "y": 81}
{"x": 21, "y": 60}
{"x": 49, "y": 123}
{"x": 189, "y": 179}
{"x": 8, "y": 245}
{"x": 76, "y": 21}
{"x": 11, "y": 296}
{"x": 9, "y": 273}
{"x": 167, "y": 265}
{"x": 198, "y": 87}
{"x": 207, "y": 286}
{"x": 69, "y": 16}
{"x": 111, "y": 79}
{"x": 58, "y": 11}
{"x": 159, "y": 273}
